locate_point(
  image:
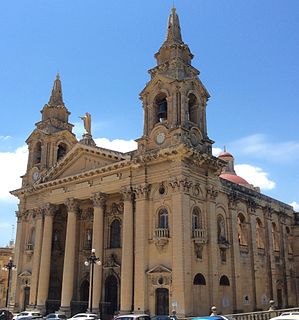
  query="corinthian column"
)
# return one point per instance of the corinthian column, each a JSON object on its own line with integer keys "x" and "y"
{"x": 126, "y": 293}
{"x": 44, "y": 270}
{"x": 141, "y": 249}
{"x": 69, "y": 257}
{"x": 36, "y": 256}
{"x": 99, "y": 201}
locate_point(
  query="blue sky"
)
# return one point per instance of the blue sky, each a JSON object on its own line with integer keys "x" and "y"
{"x": 247, "y": 52}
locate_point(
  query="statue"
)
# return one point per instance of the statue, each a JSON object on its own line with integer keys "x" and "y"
{"x": 87, "y": 123}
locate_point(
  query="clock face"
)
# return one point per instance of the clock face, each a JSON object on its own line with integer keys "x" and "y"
{"x": 160, "y": 137}
{"x": 35, "y": 175}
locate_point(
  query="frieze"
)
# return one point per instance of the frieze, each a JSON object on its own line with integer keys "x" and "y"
{"x": 181, "y": 185}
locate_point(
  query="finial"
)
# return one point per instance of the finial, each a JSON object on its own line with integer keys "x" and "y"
{"x": 56, "y": 96}
{"x": 174, "y": 29}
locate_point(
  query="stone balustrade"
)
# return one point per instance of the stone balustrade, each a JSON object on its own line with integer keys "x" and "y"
{"x": 162, "y": 233}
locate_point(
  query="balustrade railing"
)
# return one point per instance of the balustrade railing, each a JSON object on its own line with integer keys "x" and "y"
{"x": 162, "y": 233}
{"x": 199, "y": 234}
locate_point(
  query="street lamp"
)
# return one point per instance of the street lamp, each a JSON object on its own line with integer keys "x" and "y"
{"x": 8, "y": 267}
{"x": 91, "y": 261}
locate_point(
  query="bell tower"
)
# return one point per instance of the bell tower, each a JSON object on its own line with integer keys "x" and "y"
{"x": 51, "y": 139}
{"x": 174, "y": 100}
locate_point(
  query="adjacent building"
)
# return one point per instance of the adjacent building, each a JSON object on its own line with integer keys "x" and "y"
{"x": 174, "y": 227}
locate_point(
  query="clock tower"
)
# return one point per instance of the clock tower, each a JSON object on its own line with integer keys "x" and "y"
{"x": 51, "y": 139}
{"x": 174, "y": 100}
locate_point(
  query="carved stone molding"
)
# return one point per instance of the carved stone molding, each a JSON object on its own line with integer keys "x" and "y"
{"x": 71, "y": 204}
{"x": 141, "y": 191}
{"x": 99, "y": 199}
{"x": 115, "y": 209}
{"x": 181, "y": 185}
{"x": 86, "y": 214}
{"x": 268, "y": 211}
{"x": 252, "y": 205}
{"x": 49, "y": 209}
{"x": 127, "y": 194}
{"x": 212, "y": 192}
{"x": 233, "y": 200}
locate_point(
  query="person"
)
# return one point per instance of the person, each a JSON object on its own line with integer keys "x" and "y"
{"x": 87, "y": 123}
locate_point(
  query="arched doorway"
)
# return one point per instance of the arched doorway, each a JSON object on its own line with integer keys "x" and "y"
{"x": 111, "y": 295}
{"x": 162, "y": 301}
{"x": 26, "y": 296}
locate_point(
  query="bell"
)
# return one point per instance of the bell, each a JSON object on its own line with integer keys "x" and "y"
{"x": 162, "y": 113}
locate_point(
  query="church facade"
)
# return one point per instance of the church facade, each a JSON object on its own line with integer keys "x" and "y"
{"x": 173, "y": 226}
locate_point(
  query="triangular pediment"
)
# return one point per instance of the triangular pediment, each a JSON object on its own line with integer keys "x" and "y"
{"x": 159, "y": 269}
{"x": 82, "y": 158}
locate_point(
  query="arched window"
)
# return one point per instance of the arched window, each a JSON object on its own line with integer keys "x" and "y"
{"x": 115, "y": 234}
{"x": 199, "y": 280}
{"x": 192, "y": 108}
{"x": 241, "y": 227}
{"x": 37, "y": 153}
{"x": 196, "y": 219}
{"x": 32, "y": 237}
{"x": 163, "y": 219}
{"x": 161, "y": 107}
{"x": 61, "y": 151}
{"x": 221, "y": 229}
{"x": 259, "y": 234}
{"x": 224, "y": 281}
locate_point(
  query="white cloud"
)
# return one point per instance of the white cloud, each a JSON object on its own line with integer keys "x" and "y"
{"x": 4, "y": 138}
{"x": 295, "y": 205}
{"x": 5, "y": 226}
{"x": 12, "y": 166}
{"x": 117, "y": 144}
{"x": 216, "y": 151}
{"x": 255, "y": 176}
{"x": 258, "y": 146}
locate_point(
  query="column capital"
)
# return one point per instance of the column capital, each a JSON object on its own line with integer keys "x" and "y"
{"x": 99, "y": 199}
{"x": 127, "y": 194}
{"x": 49, "y": 209}
{"x": 212, "y": 192}
{"x": 71, "y": 204}
{"x": 141, "y": 191}
{"x": 181, "y": 185}
{"x": 37, "y": 213}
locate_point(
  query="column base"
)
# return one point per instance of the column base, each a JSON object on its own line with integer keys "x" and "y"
{"x": 94, "y": 310}
{"x": 66, "y": 311}
{"x": 41, "y": 308}
{"x": 122, "y": 312}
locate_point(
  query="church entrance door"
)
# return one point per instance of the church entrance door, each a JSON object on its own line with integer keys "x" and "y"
{"x": 162, "y": 302}
{"x": 111, "y": 295}
{"x": 26, "y": 297}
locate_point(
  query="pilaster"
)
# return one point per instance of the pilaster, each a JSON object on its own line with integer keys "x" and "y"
{"x": 126, "y": 293}
{"x": 181, "y": 245}
{"x": 36, "y": 256}
{"x": 99, "y": 203}
{"x": 213, "y": 249}
{"x": 45, "y": 262}
{"x": 141, "y": 248}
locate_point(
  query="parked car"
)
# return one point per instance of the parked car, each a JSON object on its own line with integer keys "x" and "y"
{"x": 133, "y": 317}
{"x": 85, "y": 316}
{"x": 161, "y": 317}
{"x": 53, "y": 316}
{"x": 5, "y": 314}
{"x": 27, "y": 315}
{"x": 218, "y": 317}
{"x": 287, "y": 316}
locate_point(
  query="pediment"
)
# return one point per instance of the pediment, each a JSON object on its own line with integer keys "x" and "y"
{"x": 159, "y": 269}
{"x": 83, "y": 158}
{"x": 25, "y": 274}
